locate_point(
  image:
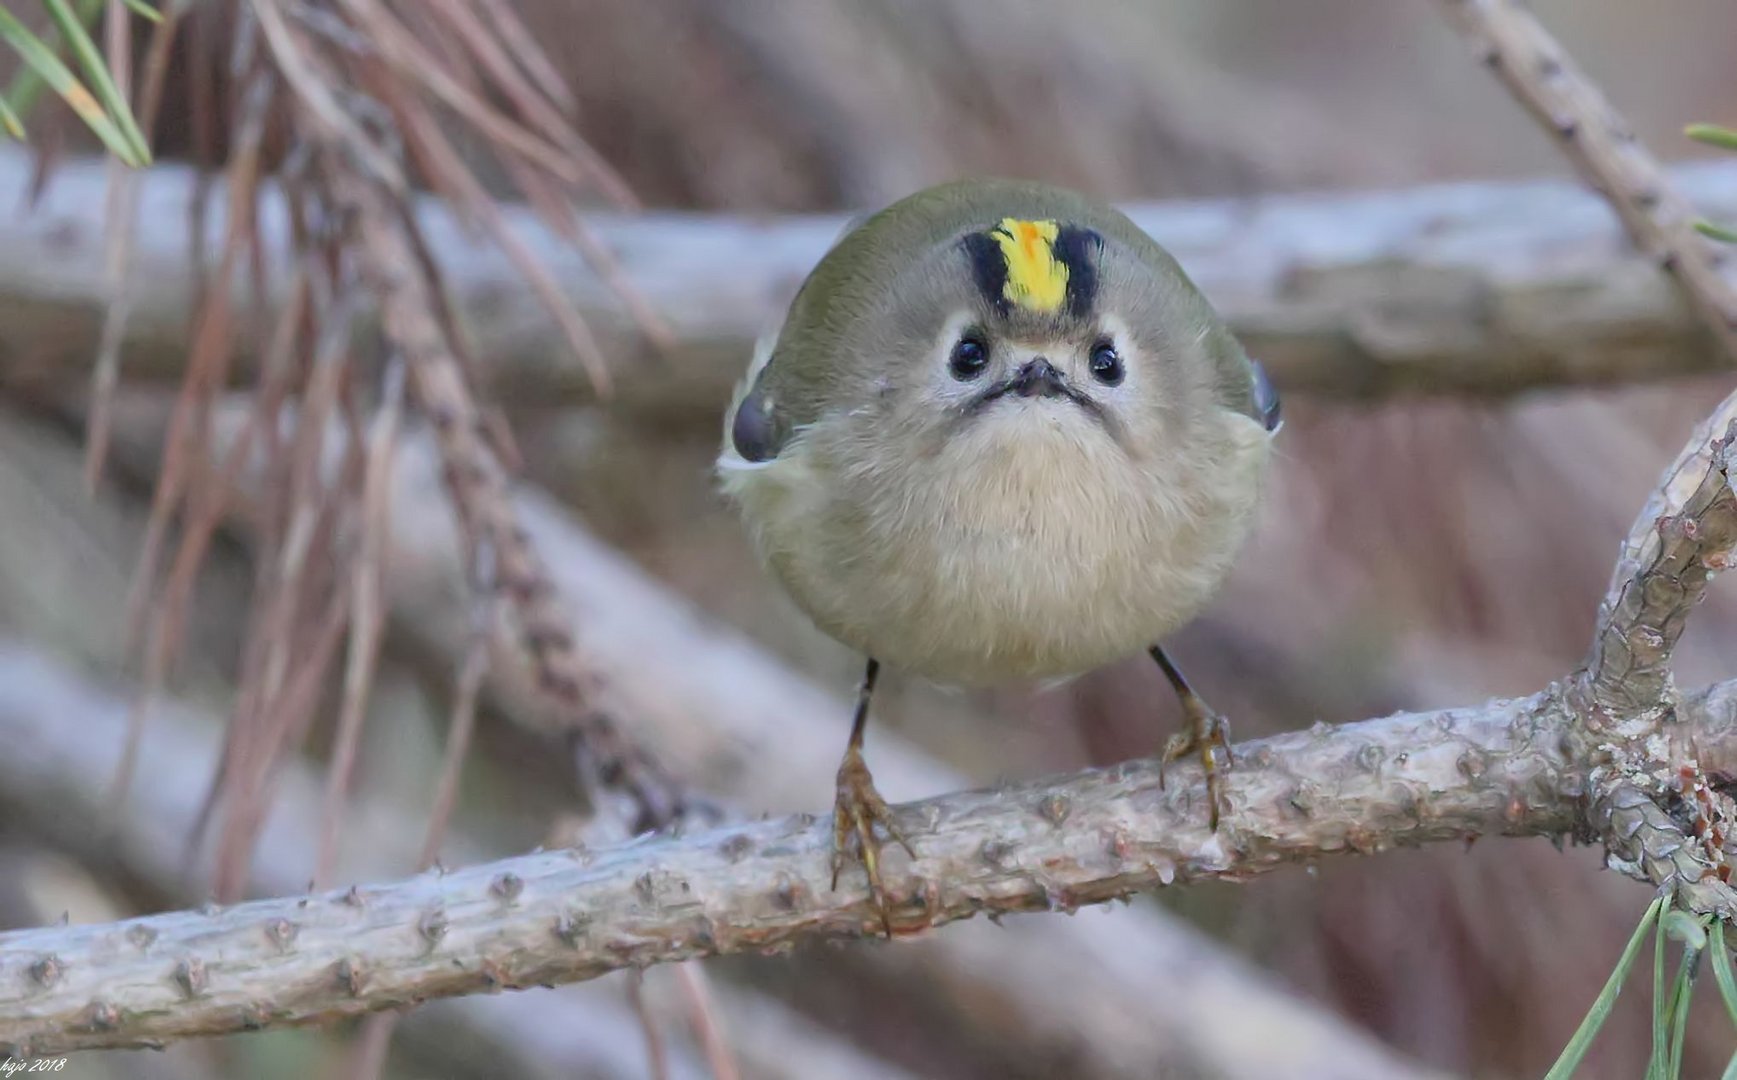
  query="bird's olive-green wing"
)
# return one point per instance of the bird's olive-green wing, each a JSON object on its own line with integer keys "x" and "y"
{"x": 786, "y": 386}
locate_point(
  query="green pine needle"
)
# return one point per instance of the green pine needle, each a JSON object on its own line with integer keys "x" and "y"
{"x": 1712, "y": 135}
{"x": 1575, "y": 1051}
{"x": 91, "y": 60}
{"x": 1695, "y": 941}
{"x": 10, "y": 122}
{"x": 62, "y": 81}
{"x": 27, "y": 82}
{"x": 144, "y": 10}
{"x": 1722, "y": 971}
{"x": 1717, "y": 232}
{"x": 1658, "y": 1064}
{"x": 1727, "y": 986}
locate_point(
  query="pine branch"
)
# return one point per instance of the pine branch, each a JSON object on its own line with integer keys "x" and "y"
{"x": 1481, "y": 289}
{"x": 1641, "y": 756}
{"x": 564, "y": 916}
{"x": 1603, "y": 148}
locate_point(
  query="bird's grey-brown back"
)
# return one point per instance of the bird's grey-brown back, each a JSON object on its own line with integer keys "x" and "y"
{"x": 982, "y": 522}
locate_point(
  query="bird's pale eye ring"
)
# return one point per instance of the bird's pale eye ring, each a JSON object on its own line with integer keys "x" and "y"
{"x": 1106, "y": 363}
{"x": 969, "y": 358}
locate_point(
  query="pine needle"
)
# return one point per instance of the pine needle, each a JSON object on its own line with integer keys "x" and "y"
{"x": 1717, "y": 232}
{"x": 1575, "y": 1051}
{"x": 1712, "y": 135}
{"x": 27, "y": 83}
{"x": 144, "y": 10}
{"x": 9, "y": 120}
{"x": 39, "y": 57}
{"x": 1691, "y": 930}
{"x": 1657, "y": 1065}
{"x": 90, "y": 58}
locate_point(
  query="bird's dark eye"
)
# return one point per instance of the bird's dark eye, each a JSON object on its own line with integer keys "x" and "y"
{"x": 970, "y": 356}
{"x": 1106, "y": 363}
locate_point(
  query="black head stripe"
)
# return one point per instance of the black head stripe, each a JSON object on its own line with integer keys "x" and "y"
{"x": 1078, "y": 250}
{"x": 988, "y": 268}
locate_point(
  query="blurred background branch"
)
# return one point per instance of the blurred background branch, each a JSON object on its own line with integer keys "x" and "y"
{"x": 1606, "y": 152}
{"x": 1464, "y": 289}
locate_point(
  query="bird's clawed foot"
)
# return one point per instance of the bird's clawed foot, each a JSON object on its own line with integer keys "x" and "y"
{"x": 1207, "y": 733}
{"x": 857, "y": 809}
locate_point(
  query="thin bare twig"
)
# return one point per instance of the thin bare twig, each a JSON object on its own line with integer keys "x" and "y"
{"x": 314, "y": 90}
{"x": 1603, "y": 147}
{"x": 400, "y": 49}
{"x": 120, "y": 220}
{"x": 523, "y": 47}
{"x": 458, "y": 736}
{"x": 656, "y": 1058}
{"x": 206, "y": 371}
{"x": 491, "y": 53}
{"x": 367, "y": 617}
{"x": 118, "y": 231}
{"x": 703, "y": 1016}
{"x": 465, "y": 192}
{"x": 479, "y": 488}
{"x": 387, "y": 67}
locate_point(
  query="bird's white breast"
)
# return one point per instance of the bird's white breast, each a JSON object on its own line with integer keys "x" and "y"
{"x": 1029, "y": 546}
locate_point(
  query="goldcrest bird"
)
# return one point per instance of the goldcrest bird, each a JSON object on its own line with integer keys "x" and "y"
{"x": 999, "y": 436}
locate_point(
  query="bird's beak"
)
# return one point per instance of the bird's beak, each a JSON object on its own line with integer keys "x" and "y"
{"x": 1039, "y": 378}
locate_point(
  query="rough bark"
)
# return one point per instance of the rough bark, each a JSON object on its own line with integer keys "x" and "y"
{"x": 570, "y": 915}
{"x": 1483, "y": 289}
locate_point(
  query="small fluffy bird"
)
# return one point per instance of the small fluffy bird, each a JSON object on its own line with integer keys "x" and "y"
{"x": 999, "y": 437}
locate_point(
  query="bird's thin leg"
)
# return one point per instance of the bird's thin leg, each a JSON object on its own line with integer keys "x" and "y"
{"x": 858, "y": 807}
{"x": 1207, "y": 732}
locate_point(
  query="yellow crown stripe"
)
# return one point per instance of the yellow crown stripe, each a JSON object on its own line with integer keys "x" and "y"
{"x": 1036, "y": 279}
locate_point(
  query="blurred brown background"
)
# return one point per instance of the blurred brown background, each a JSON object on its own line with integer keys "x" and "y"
{"x": 1414, "y": 554}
